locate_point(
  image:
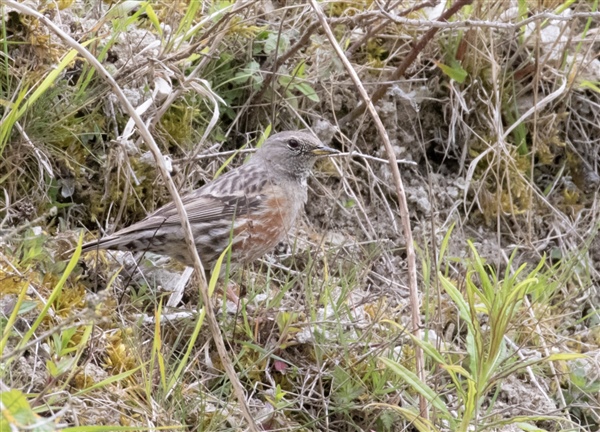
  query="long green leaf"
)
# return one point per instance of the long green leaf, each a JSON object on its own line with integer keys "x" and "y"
{"x": 55, "y": 293}
{"x": 47, "y": 82}
{"x": 423, "y": 425}
{"x": 211, "y": 287}
{"x": 10, "y": 119}
{"x": 13, "y": 317}
{"x": 107, "y": 381}
{"x": 417, "y": 385}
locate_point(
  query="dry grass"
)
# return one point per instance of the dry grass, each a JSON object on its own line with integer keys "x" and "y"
{"x": 494, "y": 116}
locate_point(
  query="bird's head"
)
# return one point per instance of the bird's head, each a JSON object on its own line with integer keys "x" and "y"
{"x": 293, "y": 152}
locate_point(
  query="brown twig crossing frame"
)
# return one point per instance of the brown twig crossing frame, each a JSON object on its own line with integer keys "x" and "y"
{"x": 368, "y": 104}
{"x": 213, "y": 325}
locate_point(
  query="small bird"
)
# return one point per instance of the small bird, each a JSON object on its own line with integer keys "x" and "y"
{"x": 253, "y": 207}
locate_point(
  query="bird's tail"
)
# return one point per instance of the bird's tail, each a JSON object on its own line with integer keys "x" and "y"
{"x": 103, "y": 243}
{"x": 130, "y": 242}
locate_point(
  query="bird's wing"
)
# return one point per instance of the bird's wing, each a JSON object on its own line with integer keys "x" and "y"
{"x": 204, "y": 205}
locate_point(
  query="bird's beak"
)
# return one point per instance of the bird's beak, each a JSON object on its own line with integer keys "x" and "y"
{"x": 323, "y": 151}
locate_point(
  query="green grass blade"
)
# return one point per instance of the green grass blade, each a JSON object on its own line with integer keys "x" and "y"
{"x": 417, "y": 385}
{"x": 107, "y": 381}
{"x": 47, "y": 82}
{"x": 55, "y": 293}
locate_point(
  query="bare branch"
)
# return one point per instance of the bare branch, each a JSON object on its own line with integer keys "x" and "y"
{"x": 488, "y": 24}
{"x": 408, "y": 60}
{"x": 402, "y": 204}
{"x": 160, "y": 162}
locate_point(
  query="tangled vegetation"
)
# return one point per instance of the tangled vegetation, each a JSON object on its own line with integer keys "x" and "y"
{"x": 492, "y": 110}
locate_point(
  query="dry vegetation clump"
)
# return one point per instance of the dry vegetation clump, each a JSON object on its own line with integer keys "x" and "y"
{"x": 492, "y": 111}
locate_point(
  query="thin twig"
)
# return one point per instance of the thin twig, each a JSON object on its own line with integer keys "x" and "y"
{"x": 375, "y": 30}
{"x": 185, "y": 223}
{"x": 403, "y": 206}
{"x": 27, "y": 224}
{"x": 352, "y": 153}
{"x": 215, "y": 43}
{"x": 488, "y": 24}
{"x": 273, "y": 66}
{"x": 408, "y": 60}
{"x": 374, "y": 158}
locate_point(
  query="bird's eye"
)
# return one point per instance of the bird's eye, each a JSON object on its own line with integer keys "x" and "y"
{"x": 293, "y": 144}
